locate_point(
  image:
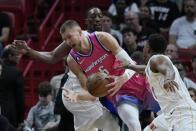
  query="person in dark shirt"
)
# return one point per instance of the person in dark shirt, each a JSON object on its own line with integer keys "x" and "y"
{"x": 163, "y": 12}
{"x": 5, "y": 26}
{"x": 12, "y": 88}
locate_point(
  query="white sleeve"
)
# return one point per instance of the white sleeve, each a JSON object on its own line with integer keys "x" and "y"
{"x": 174, "y": 28}
{"x": 124, "y": 58}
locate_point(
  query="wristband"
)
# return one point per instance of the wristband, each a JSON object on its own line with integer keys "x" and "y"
{"x": 129, "y": 73}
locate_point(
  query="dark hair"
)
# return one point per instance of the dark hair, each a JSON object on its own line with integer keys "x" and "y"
{"x": 157, "y": 43}
{"x": 108, "y": 14}
{"x": 180, "y": 63}
{"x": 147, "y": 8}
{"x": 68, "y": 24}
{"x": 194, "y": 57}
{"x": 192, "y": 89}
{"x": 127, "y": 30}
{"x": 44, "y": 89}
{"x": 138, "y": 57}
{"x": 7, "y": 51}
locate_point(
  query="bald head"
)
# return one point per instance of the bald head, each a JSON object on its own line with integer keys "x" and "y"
{"x": 94, "y": 19}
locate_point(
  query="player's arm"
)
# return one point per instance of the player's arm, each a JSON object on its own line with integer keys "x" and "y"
{"x": 164, "y": 66}
{"x": 137, "y": 68}
{"x": 111, "y": 44}
{"x": 48, "y": 57}
{"x": 84, "y": 95}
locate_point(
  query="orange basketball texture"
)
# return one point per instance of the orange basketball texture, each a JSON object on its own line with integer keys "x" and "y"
{"x": 96, "y": 84}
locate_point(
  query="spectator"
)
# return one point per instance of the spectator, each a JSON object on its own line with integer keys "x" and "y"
{"x": 192, "y": 93}
{"x": 107, "y": 26}
{"x": 132, "y": 21}
{"x": 5, "y": 26}
{"x": 12, "y": 87}
{"x": 138, "y": 57}
{"x": 122, "y": 6}
{"x": 4, "y": 123}
{"x": 163, "y": 12}
{"x": 179, "y": 4}
{"x": 182, "y": 70}
{"x": 192, "y": 75}
{"x": 42, "y": 115}
{"x": 129, "y": 40}
{"x": 183, "y": 29}
{"x": 145, "y": 19}
{"x": 172, "y": 52}
{"x": 117, "y": 9}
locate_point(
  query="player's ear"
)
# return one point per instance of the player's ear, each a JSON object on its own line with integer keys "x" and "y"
{"x": 80, "y": 31}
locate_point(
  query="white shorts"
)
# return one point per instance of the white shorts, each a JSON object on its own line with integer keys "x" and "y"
{"x": 85, "y": 113}
{"x": 158, "y": 124}
{"x": 179, "y": 119}
{"x": 183, "y": 119}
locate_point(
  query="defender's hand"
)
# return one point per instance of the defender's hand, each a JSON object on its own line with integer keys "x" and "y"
{"x": 117, "y": 84}
{"x": 170, "y": 85}
{"x": 21, "y": 46}
{"x": 71, "y": 96}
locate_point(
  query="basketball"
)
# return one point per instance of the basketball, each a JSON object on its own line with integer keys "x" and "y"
{"x": 96, "y": 84}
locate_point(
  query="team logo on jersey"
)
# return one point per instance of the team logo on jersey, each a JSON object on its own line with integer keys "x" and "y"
{"x": 77, "y": 58}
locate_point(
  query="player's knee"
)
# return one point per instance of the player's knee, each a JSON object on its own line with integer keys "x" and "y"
{"x": 134, "y": 125}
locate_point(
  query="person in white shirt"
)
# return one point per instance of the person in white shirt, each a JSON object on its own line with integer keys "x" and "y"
{"x": 183, "y": 29}
{"x": 179, "y": 110}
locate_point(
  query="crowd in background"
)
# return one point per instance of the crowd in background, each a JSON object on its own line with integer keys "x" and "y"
{"x": 130, "y": 22}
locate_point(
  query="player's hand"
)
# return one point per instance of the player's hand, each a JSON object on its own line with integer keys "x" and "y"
{"x": 125, "y": 66}
{"x": 117, "y": 84}
{"x": 71, "y": 96}
{"x": 170, "y": 85}
{"x": 20, "y": 46}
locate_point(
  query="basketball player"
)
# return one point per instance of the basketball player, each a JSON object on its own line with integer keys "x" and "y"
{"x": 101, "y": 52}
{"x": 87, "y": 114}
{"x": 179, "y": 110}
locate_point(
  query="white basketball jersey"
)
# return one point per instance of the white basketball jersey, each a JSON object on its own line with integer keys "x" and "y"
{"x": 168, "y": 101}
{"x": 85, "y": 112}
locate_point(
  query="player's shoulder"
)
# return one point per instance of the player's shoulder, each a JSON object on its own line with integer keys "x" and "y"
{"x": 103, "y": 36}
{"x": 157, "y": 59}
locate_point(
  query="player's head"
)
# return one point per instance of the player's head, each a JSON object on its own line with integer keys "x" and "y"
{"x": 45, "y": 93}
{"x": 156, "y": 44}
{"x": 94, "y": 19}
{"x": 71, "y": 32}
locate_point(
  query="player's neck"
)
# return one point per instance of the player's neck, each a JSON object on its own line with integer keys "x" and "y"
{"x": 85, "y": 46}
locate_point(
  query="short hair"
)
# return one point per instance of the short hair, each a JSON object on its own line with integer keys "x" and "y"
{"x": 138, "y": 57}
{"x": 126, "y": 30}
{"x": 44, "y": 89}
{"x": 192, "y": 89}
{"x": 180, "y": 63}
{"x": 157, "y": 43}
{"x": 108, "y": 14}
{"x": 68, "y": 24}
{"x": 7, "y": 51}
{"x": 88, "y": 11}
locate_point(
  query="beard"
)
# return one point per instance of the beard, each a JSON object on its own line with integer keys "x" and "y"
{"x": 190, "y": 14}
